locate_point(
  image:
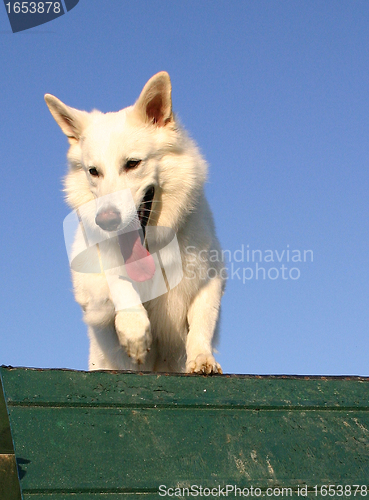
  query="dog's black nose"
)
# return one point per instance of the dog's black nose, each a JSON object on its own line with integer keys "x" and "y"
{"x": 108, "y": 219}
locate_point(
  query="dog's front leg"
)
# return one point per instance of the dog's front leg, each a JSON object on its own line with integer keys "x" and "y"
{"x": 202, "y": 319}
{"x": 131, "y": 320}
{"x": 134, "y": 333}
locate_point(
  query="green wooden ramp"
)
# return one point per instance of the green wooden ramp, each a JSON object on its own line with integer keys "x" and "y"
{"x": 121, "y": 436}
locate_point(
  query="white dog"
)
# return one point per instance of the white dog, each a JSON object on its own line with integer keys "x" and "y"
{"x": 140, "y": 157}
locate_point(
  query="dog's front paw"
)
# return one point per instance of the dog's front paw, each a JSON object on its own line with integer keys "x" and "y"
{"x": 203, "y": 363}
{"x": 134, "y": 333}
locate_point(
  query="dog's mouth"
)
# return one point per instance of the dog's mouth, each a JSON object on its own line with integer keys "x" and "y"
{"x": 144, "y": 210}
{"x": 139, "y": 262}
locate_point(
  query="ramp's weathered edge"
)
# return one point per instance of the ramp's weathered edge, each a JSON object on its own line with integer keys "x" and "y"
{"x": 9, "y": 485}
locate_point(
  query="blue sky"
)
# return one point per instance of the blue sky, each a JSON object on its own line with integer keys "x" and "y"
{"x": 276, "y": 95}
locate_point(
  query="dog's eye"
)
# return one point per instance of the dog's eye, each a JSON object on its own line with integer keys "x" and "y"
{"x": 132, "y": 164}
{"x": 93, "y": 171}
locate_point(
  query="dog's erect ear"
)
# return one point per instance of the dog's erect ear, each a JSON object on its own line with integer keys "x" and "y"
{"x": 71, "y": 121}
{"x": 155, "y": 103}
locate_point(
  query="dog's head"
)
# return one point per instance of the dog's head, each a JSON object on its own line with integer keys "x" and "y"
{"x": 141, "y": 148}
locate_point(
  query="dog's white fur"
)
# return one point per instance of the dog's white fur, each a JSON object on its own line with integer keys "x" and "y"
{"x": 176, "y": 331}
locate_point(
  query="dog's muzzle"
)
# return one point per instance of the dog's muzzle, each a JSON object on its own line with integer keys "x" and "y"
{"x": 108, "y": 219}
